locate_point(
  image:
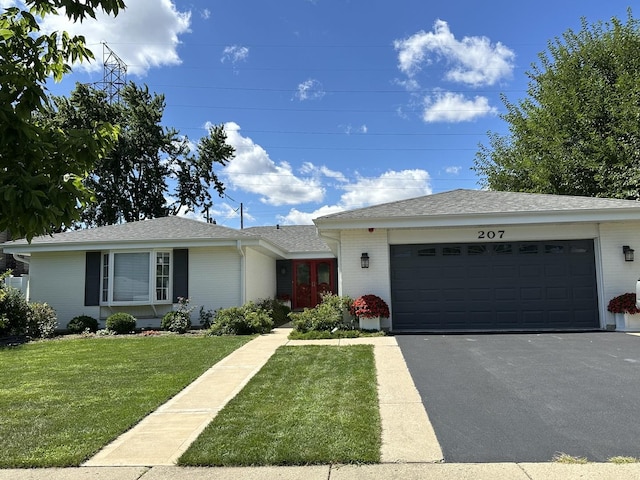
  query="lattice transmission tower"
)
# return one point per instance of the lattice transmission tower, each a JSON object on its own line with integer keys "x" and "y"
{"x": 115, "y": 74}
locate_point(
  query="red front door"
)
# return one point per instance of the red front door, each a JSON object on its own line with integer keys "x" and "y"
{"x": 311, "y": 279}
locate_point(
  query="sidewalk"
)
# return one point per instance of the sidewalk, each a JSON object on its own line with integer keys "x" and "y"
{"x": 409, "y": 449}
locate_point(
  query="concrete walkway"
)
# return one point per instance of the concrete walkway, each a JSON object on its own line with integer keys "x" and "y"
{"x": 162, "y": 437}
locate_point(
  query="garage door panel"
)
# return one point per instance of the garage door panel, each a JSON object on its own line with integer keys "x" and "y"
{"x": 530, "y": 271}
{"x": 558, "y": 293}
{"x": 584, "y": 293}
{"x": 510, "y": 286}
{"x": 531, "y": 293}
{"x": 504, "y": 271}
{"x": 480, "y": 294}
{"x": 506, "y": 294}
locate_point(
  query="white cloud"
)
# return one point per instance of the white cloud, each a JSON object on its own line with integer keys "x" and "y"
{"x": 310, "y": 89}
{"x": 234, "y": 54}
{"x": 297, "y": 217}
{"x": 473, "y": 61}
{"x": 453, "y": 170}
{"x": 252, "y": 170}
{"x": 309, "y": 168}
{"x": 388, "y": 187}
{"x": 349, "y": 129}
{"x": 205, "y": 14}
{"x": 455, "y": 107}
{"x": 144, "y": 35}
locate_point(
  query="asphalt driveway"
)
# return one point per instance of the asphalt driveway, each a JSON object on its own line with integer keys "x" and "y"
{"x": 525, "y": 397}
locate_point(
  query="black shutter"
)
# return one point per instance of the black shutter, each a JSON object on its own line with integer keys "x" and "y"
{"x": 92, "y": 279}
{"x": 180, "y": 274}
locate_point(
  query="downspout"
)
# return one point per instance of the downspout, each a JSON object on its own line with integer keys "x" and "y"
{"x": 20, "y": 258}
{"x": 243, "y": 287}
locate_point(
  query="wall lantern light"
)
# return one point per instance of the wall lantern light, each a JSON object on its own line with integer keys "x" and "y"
{"x": 364, "y": 260}
{"x": 628, "y": 253}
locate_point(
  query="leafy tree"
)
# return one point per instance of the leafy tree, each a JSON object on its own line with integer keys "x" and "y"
{"x": 42, "y": 167}
{"x": 578, "y": 131}
{"x": 132, "y": 181}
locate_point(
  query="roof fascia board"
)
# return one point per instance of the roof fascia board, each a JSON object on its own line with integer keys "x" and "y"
{"x": 454, "y": 220}
{"x": 122, "y": 245}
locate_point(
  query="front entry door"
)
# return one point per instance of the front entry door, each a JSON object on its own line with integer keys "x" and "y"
{"x": 311, "y": 279}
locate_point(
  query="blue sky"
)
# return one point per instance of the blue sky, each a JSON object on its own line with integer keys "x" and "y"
{"x": 333, "y": 104}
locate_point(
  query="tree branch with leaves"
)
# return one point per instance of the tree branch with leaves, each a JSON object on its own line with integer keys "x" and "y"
{"x": 42, "y": 167}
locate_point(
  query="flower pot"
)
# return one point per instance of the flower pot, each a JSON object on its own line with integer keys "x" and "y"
{"x": 619, "y": 321}
{"x": 631, "y": 322}
{"x": 369, "y": 323}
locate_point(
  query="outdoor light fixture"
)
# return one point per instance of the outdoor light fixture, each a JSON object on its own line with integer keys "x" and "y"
{"x": 364, "y": 260}
{"x": 628, "y": 253}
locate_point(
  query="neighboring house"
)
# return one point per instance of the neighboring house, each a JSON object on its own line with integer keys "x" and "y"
{"x": 462, "y": 260}
{"x": 482, "y": 260}
{"x": 143, "y": 267}
{"x": 8, "y": 262}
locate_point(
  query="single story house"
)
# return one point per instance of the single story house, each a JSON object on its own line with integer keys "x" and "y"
{"x": 465, "y": 260}
{"x": 144, "y": 267}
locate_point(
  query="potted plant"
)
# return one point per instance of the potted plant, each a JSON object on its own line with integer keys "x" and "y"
{"x": 624, "y": 308}
{"x": 369, "y": 309}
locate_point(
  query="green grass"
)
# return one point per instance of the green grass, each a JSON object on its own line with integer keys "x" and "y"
{"x": 326, "y": 335}
{"x": 308, "y": 405}
{"x": 62, "y": 400}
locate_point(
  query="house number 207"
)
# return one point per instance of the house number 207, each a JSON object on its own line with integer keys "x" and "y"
{"x": 490, "y": 234}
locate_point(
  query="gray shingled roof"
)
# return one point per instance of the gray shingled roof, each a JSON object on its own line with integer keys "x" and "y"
{"x": 292, "y": 238}
{"x": 157, "y": 229}
{"x": 478, "y": 202}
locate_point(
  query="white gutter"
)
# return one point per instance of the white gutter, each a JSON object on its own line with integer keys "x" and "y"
{"x": 21, "y": 258}
{"x": 243, "y": 263}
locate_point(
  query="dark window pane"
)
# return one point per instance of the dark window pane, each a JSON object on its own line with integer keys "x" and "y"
{"x": 528, "y": 249}
{"x": 477, "y": 250}
{"x": 503, "y": 249}
{"x": 549, "y": 248}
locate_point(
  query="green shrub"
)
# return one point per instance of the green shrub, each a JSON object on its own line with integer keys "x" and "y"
{"x": 177, "y": 322}
{"x": 82, "y": 323}
{"x": 121, "y": 323}
{"x": 42, "y": 321}
{"x": 206, "y": 317}
{"x": 14, "y": 311}
{"x": 278, "y": 311}
{"x": 245, "y": 320}
{"x": 332, "y": 313}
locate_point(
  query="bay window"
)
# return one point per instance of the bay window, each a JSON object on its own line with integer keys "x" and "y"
{"x": 139, "y": 277}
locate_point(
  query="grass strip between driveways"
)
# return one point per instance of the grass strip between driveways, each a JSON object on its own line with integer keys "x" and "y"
{"x": 308, "y": 405}
{"x": 62, "y": 400}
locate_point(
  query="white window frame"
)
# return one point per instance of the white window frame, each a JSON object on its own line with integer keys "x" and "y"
{"x": 151, "y": 300}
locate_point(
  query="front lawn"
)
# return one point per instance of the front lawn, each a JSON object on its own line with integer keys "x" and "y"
{"x": 62, "y": 400}
{"x": 308, "y": 405}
